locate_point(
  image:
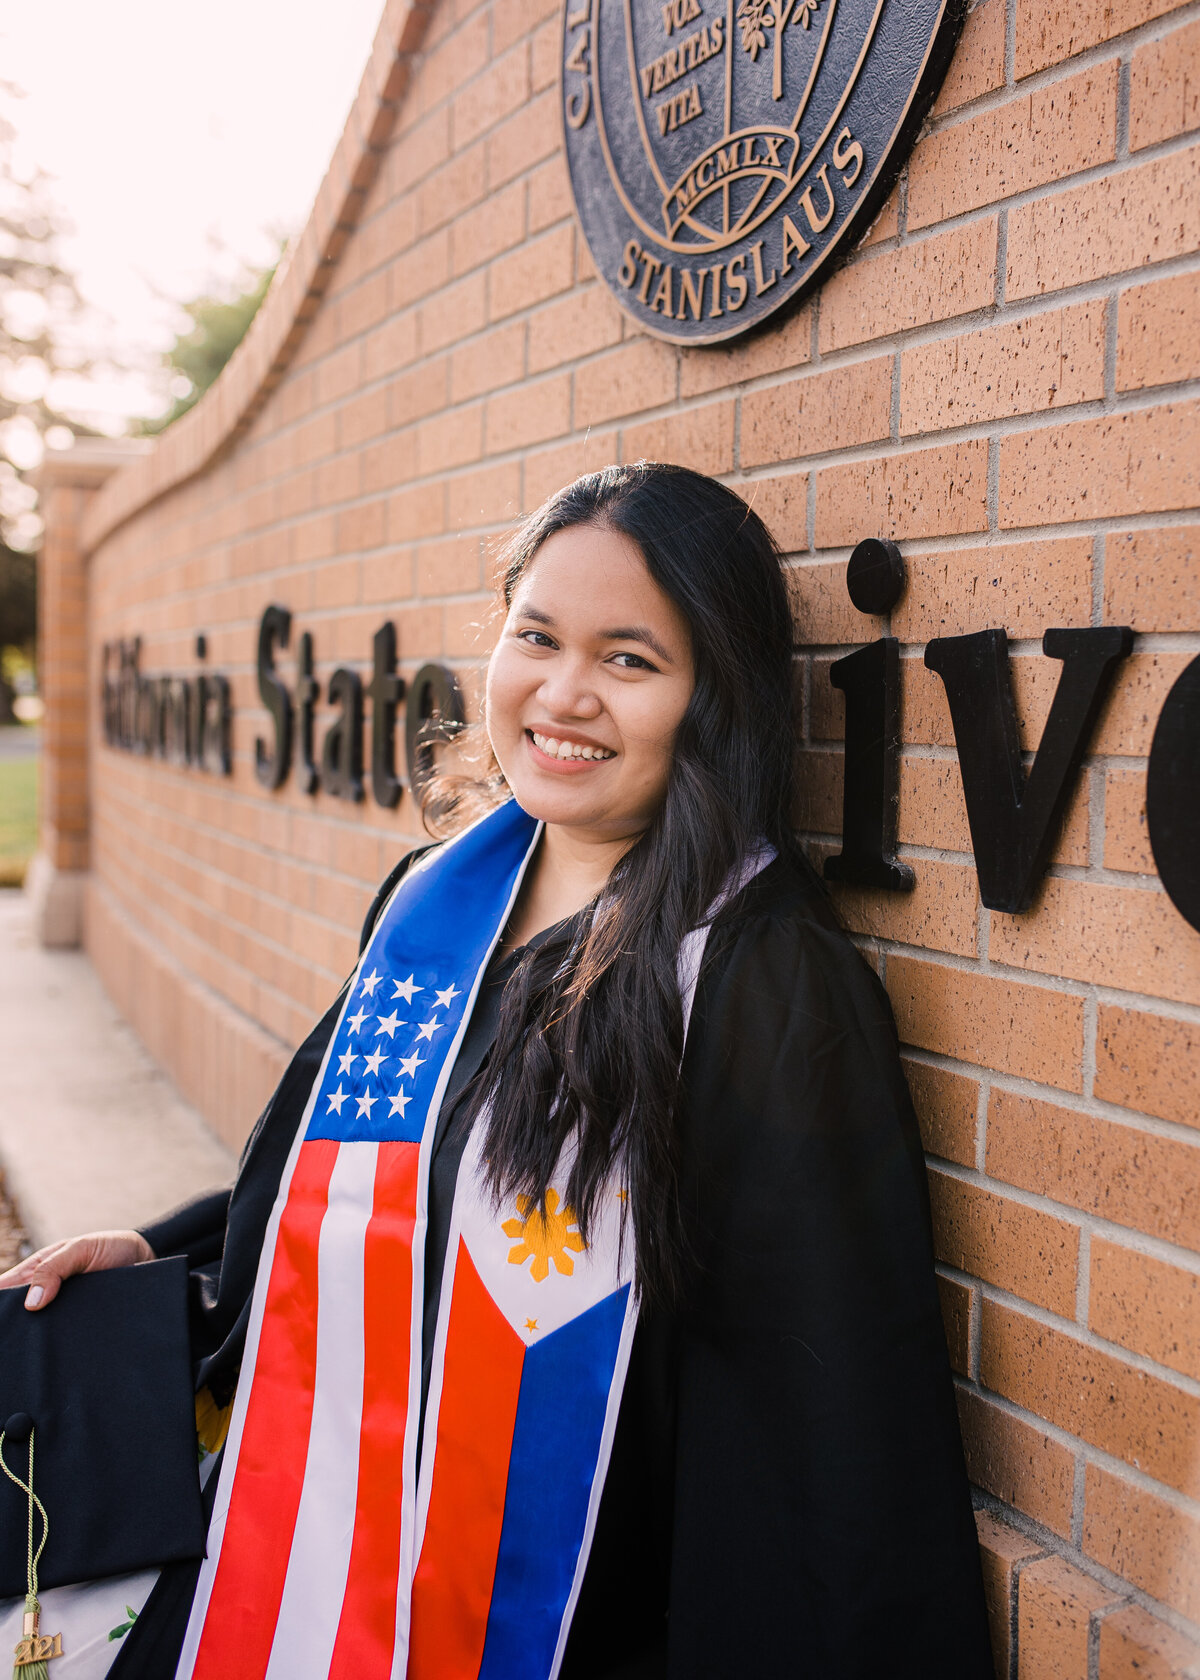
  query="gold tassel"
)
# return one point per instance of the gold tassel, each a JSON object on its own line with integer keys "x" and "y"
{"x": 35, "y": 1649}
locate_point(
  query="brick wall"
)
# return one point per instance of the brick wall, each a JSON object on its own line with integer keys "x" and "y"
{"x": 1004, "y": 379}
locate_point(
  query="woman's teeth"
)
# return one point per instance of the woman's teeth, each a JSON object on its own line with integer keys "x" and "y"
{"x": 568, "y": 749}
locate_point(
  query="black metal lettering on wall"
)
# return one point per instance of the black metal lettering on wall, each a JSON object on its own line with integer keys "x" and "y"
{"x": 726, "y": 154}
{"x": 189, "y": 720}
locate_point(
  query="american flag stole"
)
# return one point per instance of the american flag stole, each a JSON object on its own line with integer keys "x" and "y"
{"x": 325, "y": 1556}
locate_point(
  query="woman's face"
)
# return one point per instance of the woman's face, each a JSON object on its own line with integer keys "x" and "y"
{"x": 588, "y": 684}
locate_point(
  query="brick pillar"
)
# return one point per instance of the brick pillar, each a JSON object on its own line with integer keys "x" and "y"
{"x": 67, "y": 481}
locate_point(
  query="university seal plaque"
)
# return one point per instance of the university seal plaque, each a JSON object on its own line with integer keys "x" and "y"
{"x": 725, "y": 154}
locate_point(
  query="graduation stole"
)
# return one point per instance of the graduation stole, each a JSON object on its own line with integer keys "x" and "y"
{"x": 328, "y": 1555}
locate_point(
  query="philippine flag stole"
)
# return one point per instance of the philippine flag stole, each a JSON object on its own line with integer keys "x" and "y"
{"x": 329, "y": 1557}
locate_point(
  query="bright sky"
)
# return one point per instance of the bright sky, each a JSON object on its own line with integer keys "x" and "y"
{"x": 181, "y": 136}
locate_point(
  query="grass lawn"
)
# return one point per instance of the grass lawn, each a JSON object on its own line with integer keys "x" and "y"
{"x": 18, "y": 818}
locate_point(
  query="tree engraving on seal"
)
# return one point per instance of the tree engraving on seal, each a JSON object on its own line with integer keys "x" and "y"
{"x": 725, "y": 154}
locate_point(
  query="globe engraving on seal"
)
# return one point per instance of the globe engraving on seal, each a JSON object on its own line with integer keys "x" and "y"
{"x": 725, "y": 154}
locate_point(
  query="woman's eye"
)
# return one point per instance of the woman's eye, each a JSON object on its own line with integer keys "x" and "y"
{"x": 633, "y": 662}
{"x": 535, "y": 638}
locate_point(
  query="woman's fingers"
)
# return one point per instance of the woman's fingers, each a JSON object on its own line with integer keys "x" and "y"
{"x": 42, "y": 1274}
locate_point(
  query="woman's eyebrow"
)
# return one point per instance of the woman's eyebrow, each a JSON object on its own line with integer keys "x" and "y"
{"x": 638, "y": 633}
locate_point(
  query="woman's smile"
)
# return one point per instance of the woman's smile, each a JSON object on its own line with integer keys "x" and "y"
{"x": 559, "y": 752}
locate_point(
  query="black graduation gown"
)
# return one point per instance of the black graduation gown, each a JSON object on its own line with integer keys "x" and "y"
{"x": 786, "y": 1495}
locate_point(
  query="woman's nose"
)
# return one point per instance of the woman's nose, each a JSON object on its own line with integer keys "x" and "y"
{"x": 567, "y": 691}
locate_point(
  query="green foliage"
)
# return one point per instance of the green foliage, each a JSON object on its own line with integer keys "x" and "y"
{"x": 218, "y": 326}
{"x": 18, "y": 599}
{"x": 18, "y": 817}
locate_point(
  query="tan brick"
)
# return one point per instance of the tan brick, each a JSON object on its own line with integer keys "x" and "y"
{"x": 485, "y": 363}
{"x": 1047, "y": 35}
{"x": 450, "y": 440}
{"x": 1135, "y": 1534}
{"x": 362, "y": 526}
{"x": 1125, "y": 1412}
{"x": 818, "y": 413}
{"x": 1016, "y": 1463}
{"x": 1143, "y": 462}
{"x": 946, "y": 1105}
{"x": 1120, "y": 222}
{"x": 786, "y": 343}
{"x": 494, "y": 226}
{"x": 456, "y": 186}
{"x": 823, "y": 611}
{"x": 1149, "y": 1062}
{"x": 532, "y": 413}
{"x": 1126, "y": 843}
{"x": 523, "y": 139}
{"x": 468, "y": 628}
{"x": 940, "y": 913}
{"x": 955, "y": 1301}
{"x": 700, "y": 438}
{"x": 390, "y": 462}
{"x": 1035, "y": 138}
{"x": 449, "y": 567}
{"x": 1023, "y": 367}
{"x": 1137, "y": 1646}
{"x": 926, "y": 493}
{"x": 513, "y": 18}
{"x": 549, "y": 195}
{"x": 1152, "y": 579}
{"x": 1158, "y": 332}
{"x": 1119, "y": 1172}
{"x": 637, "y": 376}
{"x": 978, "y": 63}
{"x": 485, "y": 497}
{"x": 1145, "y": 1304}
{"x": 1024, "y": 588}
{"x": 501, "y": 89}
{"x": 782, "y": 505}
{"x": 932, "y": 810}
{"x": 533, "y": 273}
{"x": 1164, "y": 87}
{"x": 890, "y": 291}
{"x": 887, "y": 223}
{"x": 1018, "y": 1248}
{"x": 818, "y": 793}
{"x": 1054, "y": 1612}
{"x": 1030, "y": 1031}
{"x": 571, "y": 327}
{"x": 420, "y": 271}
{"x": 1113, "y": 936}
{"x": 1129, "y": 716}
{"x": 453, "y": 55}
{"x": 544, "y": 56}
{"x": 550, "y": 469}
{"x": 1001, "y": 1551}
{"x": 454, "y": 314}
{"x": 418, "y": 391}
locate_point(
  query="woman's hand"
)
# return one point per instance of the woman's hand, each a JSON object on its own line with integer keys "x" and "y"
{"x": 99, "y": 1251}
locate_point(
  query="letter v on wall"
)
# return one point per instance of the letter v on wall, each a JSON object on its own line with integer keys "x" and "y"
{"x": 1015, "y": 818}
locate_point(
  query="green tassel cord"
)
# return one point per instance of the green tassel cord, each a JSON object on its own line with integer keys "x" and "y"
{"x": 35, "y": 1649}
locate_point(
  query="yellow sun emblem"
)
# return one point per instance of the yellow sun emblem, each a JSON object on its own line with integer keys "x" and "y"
{"x": 546, "y": 1236}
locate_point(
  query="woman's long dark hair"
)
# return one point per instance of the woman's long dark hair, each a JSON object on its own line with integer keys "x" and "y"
{"x": 591, "y": 1028}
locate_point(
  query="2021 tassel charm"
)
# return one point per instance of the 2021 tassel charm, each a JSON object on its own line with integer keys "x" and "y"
{"x": 35, "y": 1649}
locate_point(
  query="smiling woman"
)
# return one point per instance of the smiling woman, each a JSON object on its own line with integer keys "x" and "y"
{"x": 573, "y": 1314}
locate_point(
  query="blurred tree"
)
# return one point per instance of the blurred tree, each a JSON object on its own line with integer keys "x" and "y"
{"x": 218, "y": 326}
{"x": 41, "y": 317}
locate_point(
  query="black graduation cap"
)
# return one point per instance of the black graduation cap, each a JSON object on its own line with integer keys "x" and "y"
{"x": 103, "y": 1375}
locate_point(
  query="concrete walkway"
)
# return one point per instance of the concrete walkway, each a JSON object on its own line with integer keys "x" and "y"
{"x": 92, "y": 1134}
